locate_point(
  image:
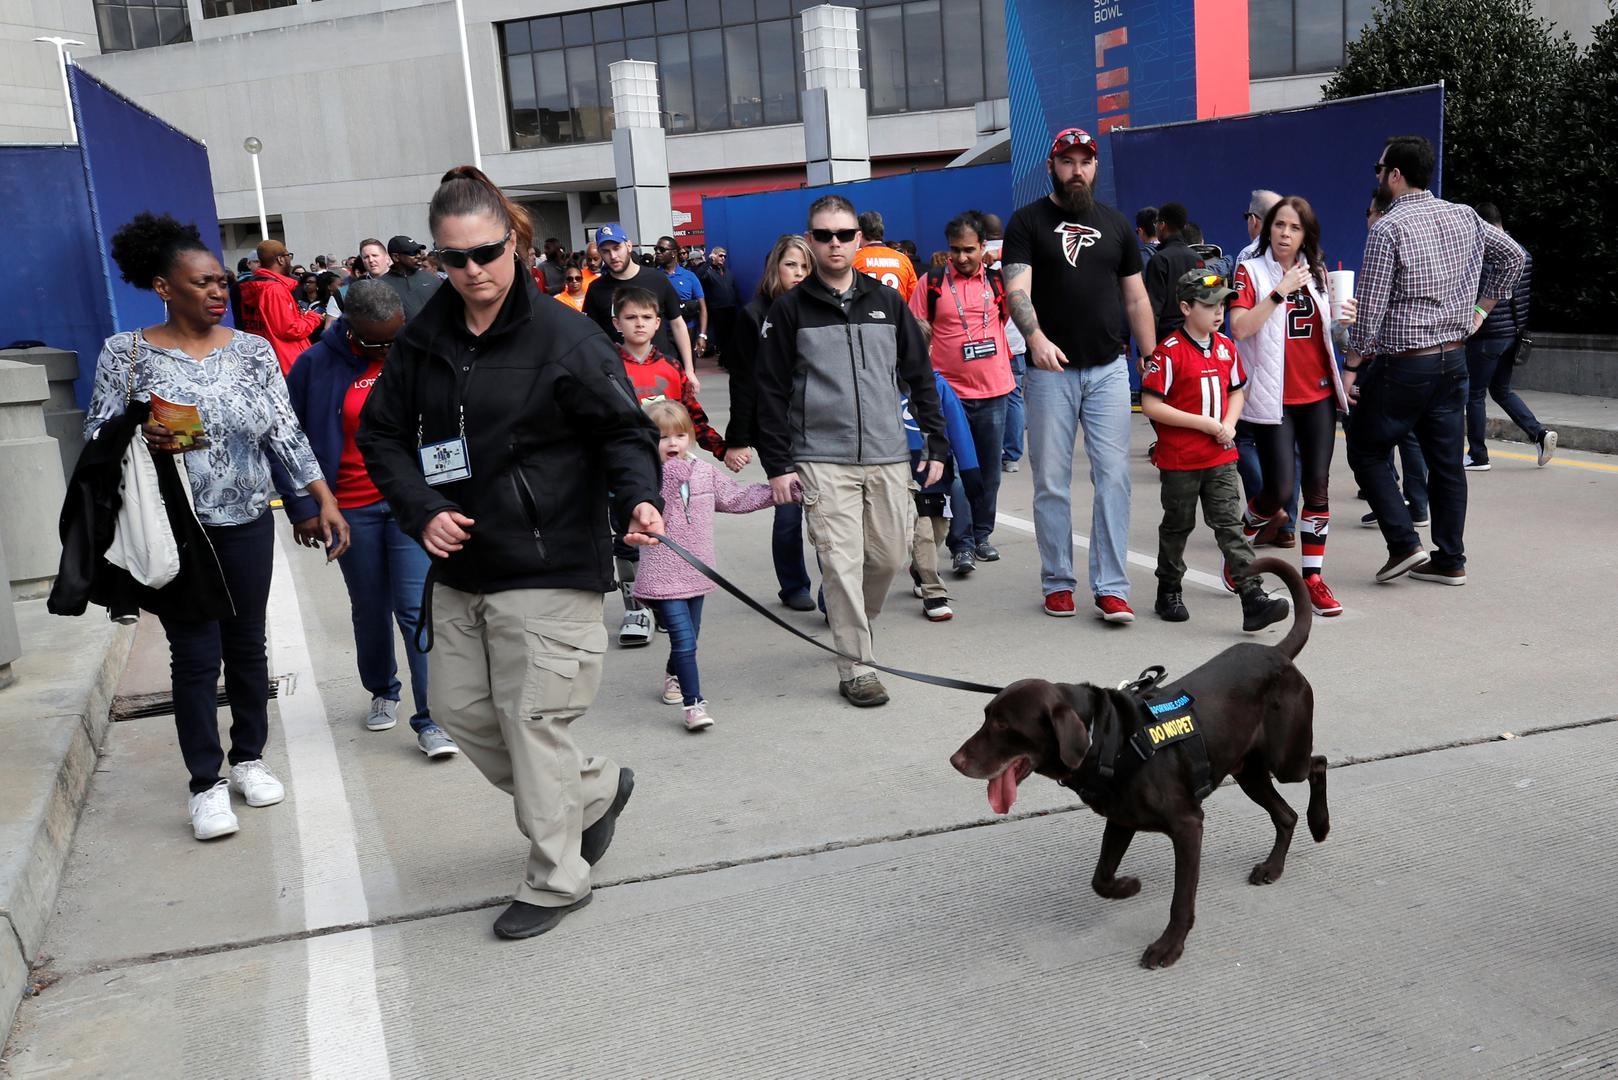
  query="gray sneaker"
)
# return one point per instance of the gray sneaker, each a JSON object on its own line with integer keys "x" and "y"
{"x": 435, "y": 742}
{"x": 384, "y": 714}
{"x": 864, "y": 691}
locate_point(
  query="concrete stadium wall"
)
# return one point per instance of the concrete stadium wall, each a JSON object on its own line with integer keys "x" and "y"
{"x": 31, "y": 104}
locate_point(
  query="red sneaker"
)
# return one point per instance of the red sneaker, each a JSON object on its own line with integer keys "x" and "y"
{"x": 1226, "y": 578}
{"x": 1060, "y": 603}
{"x": 1114, "y": 609}
{"x": 1320, "y": 597}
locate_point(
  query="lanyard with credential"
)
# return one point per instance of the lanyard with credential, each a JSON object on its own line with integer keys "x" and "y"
{"x": 988, "y": 301}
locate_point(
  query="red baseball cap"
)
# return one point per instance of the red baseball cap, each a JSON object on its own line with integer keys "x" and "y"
{"x": 1070, "y": 138}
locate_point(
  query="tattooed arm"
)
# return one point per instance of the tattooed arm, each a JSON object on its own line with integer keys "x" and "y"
{"x": 1042, "y": 352}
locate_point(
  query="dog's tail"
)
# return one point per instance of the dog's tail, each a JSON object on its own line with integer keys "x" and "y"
{"x": 1302, "y": 610}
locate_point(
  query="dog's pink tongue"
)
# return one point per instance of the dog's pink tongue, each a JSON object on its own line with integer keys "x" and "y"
{"x": 1003, "y": 791}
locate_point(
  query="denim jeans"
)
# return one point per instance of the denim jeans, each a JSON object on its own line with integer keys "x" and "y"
{"x": 683, "y": 620}
{"x": 1011, "y": 449}
{"x": 786, "y": 549}
{"x": 1489, "y": 373}
{"x": 384, "y": 570}
{"x": 1252, "y": 472}
{"x": 974, "y": 514}
{"x": 1426, "y": 395}
{"x": 1059, "y": 403}
{"x": 246, "y": 554}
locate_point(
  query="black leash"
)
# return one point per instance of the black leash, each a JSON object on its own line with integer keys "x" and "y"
{"x": 719, "y": 579}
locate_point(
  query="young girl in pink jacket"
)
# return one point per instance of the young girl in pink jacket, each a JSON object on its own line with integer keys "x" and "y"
{"x": 692, "y": 491}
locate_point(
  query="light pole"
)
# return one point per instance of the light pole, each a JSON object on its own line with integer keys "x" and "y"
{"x": 253, "y": 147}
{"x": 61, "y": 44}
{"x": 466, "y": 74}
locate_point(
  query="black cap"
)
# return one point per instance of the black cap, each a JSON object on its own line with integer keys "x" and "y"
{"x": 403, "y": 245}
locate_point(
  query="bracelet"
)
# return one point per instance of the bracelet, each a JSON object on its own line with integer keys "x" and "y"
{"x": 1276, "y": 298}
{"x": 1479, "y": 309}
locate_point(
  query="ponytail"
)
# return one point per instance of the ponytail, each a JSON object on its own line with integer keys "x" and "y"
{"x": 466, "y": 190}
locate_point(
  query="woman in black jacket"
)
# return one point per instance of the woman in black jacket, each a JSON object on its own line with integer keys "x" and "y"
{"x": 789, "y": 262}
{"x": 501, "y": 426}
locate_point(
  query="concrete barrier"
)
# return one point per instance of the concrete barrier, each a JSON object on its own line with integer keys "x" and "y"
{"x": 64, "y": 420}
{"x": 31, "y": 497}
{"x": 1585, "y": 364}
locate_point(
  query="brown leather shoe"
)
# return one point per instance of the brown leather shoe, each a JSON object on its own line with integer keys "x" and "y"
{"x": 1455, "y": 575}
{"x": 1402, "y": 563}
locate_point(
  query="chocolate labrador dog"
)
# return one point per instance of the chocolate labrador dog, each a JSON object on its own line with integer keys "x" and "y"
{"x": 1255, "y": 714}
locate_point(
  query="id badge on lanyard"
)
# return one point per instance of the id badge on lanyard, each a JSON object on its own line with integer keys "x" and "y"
{"x": 447, "y": 461}
{"x": 985, "y": 347}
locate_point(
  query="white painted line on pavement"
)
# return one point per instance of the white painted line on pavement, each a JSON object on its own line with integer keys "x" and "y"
{"x": 342, "y": 1013}
{"x": 1210, "y": 581}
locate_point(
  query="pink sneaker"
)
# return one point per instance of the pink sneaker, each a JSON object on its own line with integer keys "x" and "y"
{"x": 671, "y": 690}
{"x": 697, "y": 718}
{"x": 1114, "y": 609}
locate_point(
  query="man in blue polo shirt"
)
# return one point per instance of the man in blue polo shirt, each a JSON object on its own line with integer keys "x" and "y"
{"x": 693, "y": 304}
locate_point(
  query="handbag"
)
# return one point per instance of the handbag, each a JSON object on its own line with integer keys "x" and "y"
{"x": 143, "y": 539}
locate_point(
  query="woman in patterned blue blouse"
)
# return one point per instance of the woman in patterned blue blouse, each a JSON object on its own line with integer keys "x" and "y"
{"x": 235, "y": 382}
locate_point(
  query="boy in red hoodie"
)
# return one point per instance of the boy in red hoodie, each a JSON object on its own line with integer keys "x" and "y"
{"x": 654, "y": 378}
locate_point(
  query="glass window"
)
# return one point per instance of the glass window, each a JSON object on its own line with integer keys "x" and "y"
{"x": 885, "y": 58}
{"x": 1269, "y": 33}
{"x": 142, "y": 24}
{"x": 546, "y": 33}
{"x": 609, "y": 24}
{"x": 741, "y": 76}
{"x": 638, "y": 21}
{"x": 994, "y": 50}
{"x": 708, "y": 80}
{"x": 773, "y": 9}
{"x": 1357, "y": 16}
{"x": 1319, "y": 36}
{"x": 515, "y": 36}
{"x": 576, "y": 29}
{"x": 963, "y": 52}
{"x": 701, "y": 14}
{"x": 112, "y": 25}
{"x": 215, "y": 9}
{"x": 606, "y": 56}
{"x": 520, "y": 100}
{"x": 554, "y": 116}
{"x": 643, "y": 49}
{"x": 924, "y": 38}
{"x": 737, "y": 11}
{"x": 173, "y": 25}
{"x": 674, "y": 70}
{"x": 585, "y": 97}
{"x": 777, "y": 58}
{"x": 670, "y": 16}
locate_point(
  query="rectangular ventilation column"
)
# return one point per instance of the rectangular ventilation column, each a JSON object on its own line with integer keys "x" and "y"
{"x": 836, "y": 143}
{"x": 639, "y": 153}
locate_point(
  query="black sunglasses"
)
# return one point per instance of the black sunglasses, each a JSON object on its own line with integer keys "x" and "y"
{"x": 663, "y": 250}
{"x": 369, "y": 346}
{"x": 1379, "y": 169}
{"x": 571, "y": 278}
{"x": 824, "y": 236}
{"x": 483, "y": 254}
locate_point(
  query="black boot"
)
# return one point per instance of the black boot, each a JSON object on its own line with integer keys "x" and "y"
{"x": 1170, "y": 606}
{"x": 1259, "y": 610}
{"x": 593, "y": 844}
{"x": 525, "y": 920}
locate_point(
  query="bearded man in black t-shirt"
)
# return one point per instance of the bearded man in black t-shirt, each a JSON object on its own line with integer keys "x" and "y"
{"x": 1072, "y": 271}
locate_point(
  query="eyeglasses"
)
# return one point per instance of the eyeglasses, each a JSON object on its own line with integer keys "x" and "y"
{"x": 369, "y": 346}
{"x": 483, "y": 254}
{"x": 1250, "y": 214}
{"x": 570, "y": 279}
{"x": 825, "y": 236}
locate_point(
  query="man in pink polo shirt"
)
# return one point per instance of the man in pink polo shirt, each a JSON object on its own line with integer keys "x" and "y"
{"x": 961, "y": 308}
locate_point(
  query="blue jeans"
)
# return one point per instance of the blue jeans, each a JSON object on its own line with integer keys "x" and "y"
{"x": 1011, "y": 449}
{"x": 1059, "y": 404}
{"x": 1425, "y": 395}
{"x": 683, "y": 620}
{"x": 974, "y": 496}
{"x": 1489, "y": 373}
{"x": 786, "y": 549}
{"x": 384, "y": 570}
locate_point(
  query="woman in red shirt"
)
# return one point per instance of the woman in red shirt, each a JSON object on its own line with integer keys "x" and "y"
{"x": 1280, "y": 318}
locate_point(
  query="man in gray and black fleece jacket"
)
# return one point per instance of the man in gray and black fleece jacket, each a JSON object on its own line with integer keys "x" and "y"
{"x": 832, "y": 357}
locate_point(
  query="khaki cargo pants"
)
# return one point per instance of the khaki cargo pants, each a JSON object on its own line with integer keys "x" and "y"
{"x": 508, "y": 674}
{"x": 858, "y": 518}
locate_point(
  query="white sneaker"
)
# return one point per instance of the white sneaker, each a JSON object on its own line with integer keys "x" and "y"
{"x": 671, "y": 690}
{"x": 211, "y": 816}
{"x": 254, "y": 781}
{"x": 1547, "y": 448}
{"x": 384, "y": 714}
{"x": 636, "y": 629}
{"x": 697, "y": 718}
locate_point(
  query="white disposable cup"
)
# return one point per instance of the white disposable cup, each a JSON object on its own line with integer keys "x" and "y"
{"x": 1342, "y": 287}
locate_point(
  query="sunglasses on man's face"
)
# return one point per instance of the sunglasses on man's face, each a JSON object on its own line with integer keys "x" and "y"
{"x": 663, "y": 250}
{"x": 1378, "y": 169}
{"x": 825, "y": 236}
{"x": 368, "y": 346}
{"x": 483, "y": 254}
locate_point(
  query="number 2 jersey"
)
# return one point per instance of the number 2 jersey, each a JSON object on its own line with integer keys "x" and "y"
{"x": 1307, "y": 363}
{"x": 1198, "y": 381}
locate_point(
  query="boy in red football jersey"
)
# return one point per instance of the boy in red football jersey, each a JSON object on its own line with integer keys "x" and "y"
{"x": 1192, "y": 393}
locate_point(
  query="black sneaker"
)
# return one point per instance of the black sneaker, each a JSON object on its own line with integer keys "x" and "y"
{"x": 1170, "y": 606}
{"x": 987, "y": 552}
{"x": 965, "y": 562}
{"x": 598, "y": 837}
{"x": 525, "y": 920}
{"x": 1259, "y": 610}
{"x": 800, "y": 601}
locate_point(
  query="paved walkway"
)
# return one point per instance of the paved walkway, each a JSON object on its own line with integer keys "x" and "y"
{"x": 810, "y": 890}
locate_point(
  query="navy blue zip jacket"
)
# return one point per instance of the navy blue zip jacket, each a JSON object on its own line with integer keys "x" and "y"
{"x": 317, "y": 383}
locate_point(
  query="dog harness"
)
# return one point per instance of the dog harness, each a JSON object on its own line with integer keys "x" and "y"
{"x": 1121, "y": 748}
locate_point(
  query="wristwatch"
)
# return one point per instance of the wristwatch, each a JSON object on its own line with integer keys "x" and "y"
{"x": 1276, "y": 298}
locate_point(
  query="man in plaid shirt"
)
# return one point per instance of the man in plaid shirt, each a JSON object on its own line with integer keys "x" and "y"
{"x": 1432, "y": 272}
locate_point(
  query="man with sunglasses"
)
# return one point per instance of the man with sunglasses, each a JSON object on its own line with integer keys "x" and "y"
{"x": 1432, "y": 272}
{"x": 413, "y": 285}
{"x": 832, "y": 355}
{"x": 620, "y": 268}
{"x": 383, "y": 568}
{"x": 1072, "y": 268}
{"x": 693, "y": 300}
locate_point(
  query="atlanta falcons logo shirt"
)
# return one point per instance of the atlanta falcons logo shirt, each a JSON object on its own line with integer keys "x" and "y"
{"x": 1075, "y": 238}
